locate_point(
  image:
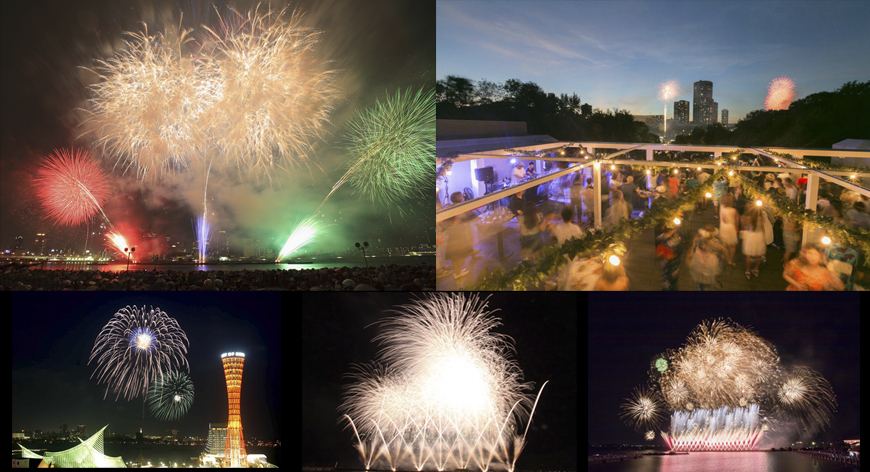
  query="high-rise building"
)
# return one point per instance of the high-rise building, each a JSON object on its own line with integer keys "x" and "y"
{"x": 715, "y": 115}
{"x": 40, "y": 244}
{"x": 234, "y": 363}
{"x": 217, "y": 439}
{"x": 681, "y": 111}
{"x": 725, "y": 116}
{"x": 702, "y": 106}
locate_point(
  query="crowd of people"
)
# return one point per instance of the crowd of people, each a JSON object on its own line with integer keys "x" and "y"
{"x": 563, "y": 209}
{"x": 385, "y": 278}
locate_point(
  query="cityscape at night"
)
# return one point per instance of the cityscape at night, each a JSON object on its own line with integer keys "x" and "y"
{"x": 204, "y": 136}
{"x": 754, "y": 382}
{"x": 166, "y": 379}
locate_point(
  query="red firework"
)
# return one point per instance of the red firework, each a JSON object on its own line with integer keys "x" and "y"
{"x": 71, "y": 186}
{"x": 780, "y": 93}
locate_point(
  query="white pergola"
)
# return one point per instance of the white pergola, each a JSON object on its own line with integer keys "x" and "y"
{"x": 842, "y": 178}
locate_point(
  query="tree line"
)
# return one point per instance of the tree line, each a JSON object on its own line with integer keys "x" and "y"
{"x": 563, "y": 117}
{"x": 816, "y": 121}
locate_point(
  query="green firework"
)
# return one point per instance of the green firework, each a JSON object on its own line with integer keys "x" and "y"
{"x": 392, "y": 145}
{"x": 170, "y": 396}
{"x": 661, "y": 365}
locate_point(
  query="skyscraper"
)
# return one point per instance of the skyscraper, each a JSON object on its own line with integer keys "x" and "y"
{"x": 234, "y": 363}
{"x": 725, "y": 117}
{"x": 681, "y": 111}
{"x": 702, "y": 106}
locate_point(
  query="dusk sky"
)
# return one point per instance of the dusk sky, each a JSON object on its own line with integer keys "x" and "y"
{"x": 615, "y": 54}
{"x": 52, "y": 338}
{"x": 626, "y": 333}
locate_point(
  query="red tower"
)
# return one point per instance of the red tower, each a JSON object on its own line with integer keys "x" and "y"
{"x": 234, "y": 362}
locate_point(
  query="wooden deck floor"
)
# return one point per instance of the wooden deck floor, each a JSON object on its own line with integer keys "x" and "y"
{"x": 640, "y": 265}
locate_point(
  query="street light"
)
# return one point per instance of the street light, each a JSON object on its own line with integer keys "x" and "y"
{"x": 362, "y": 248}
{"x": 129, "y": 252}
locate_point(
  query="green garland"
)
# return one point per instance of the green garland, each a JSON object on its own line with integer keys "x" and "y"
{"x": 858, "y": 238}
{"x": 529, "y": 276}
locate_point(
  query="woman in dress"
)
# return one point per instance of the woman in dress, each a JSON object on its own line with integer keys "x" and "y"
{"x": 708, "y": 258}
{"x": 754, "y": 246}
{"x": 728, "y": 225}
{"x": 806, "y": 272}
{"x": 617, "y": 212}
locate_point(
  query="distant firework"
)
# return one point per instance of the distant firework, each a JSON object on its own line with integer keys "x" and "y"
{"x": 669, "y": 90}
{"x": 71, "y": 186}
{"x": 643, "y": 409}
{"x": 726, "y": 386}
{"x": 780, "y": 93}
{"x": 170, "y": 396}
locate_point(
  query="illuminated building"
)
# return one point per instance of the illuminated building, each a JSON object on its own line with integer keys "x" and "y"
{"x": 87, "y": 454}
{"x": 234, "y": 363}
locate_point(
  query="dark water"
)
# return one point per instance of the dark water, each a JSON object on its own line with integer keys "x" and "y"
{"x": 316, "y": 264}
{"x": 756, "y": 461}
{"x": 156, "y": 454}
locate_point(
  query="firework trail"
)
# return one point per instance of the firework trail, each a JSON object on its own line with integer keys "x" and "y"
{"x": 301, "y": 236}
{"x": 135, "y": 347}
{"x": 392, "y": 145}
{"x": 170, "y": 396}
{"x": 117, "y": 243}
{"x": 71, "y": 186}
{"x": 667, "y": 92}
{"x": 780, "y": 93}
{"x": 407, "y": 405}
{"x": 202, "y": 232}
{"x": 726, "y": 369}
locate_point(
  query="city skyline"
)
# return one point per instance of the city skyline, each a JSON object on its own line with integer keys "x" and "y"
{"x": 615, "y": 54}
{"x": 51, "y": 382}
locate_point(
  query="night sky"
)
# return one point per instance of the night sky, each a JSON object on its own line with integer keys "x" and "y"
{"x": 378, "y": 48}
{"x": 615, "y": 54}
{"x": 52, "y": 338}
{"x": 820, "y": 331}
{"x": 335, "y": 336}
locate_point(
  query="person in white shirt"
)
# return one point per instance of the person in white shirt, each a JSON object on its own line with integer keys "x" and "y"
{"x": 519, "y": 173}
{"x": 566, "y": 229}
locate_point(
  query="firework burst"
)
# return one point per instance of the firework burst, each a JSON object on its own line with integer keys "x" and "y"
{"x": 780, "y": 93}
{"x": 392, "y": 145}
{"x": 643, "y": 409}
{"x": 147, "y": 108}
{"x": 807, "y": 395}
{"x": 727, "y": 375}
{"x": 254, "y": 95}
{"x": 135, "y": 347}
{"x": 170, "y": 396}
{"x": 668, "y": 90}
{"x": 71, "y": 186}
{"x": 276, "y": 93}
{"x": 408, "y": 407}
